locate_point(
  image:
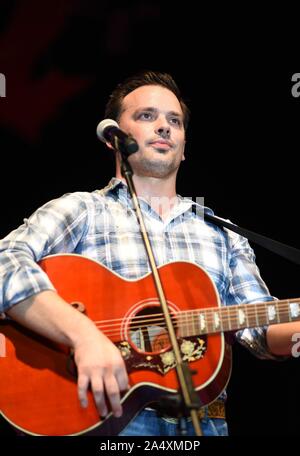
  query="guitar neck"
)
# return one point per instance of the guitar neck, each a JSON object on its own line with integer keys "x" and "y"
{"x": 233, "y": 318}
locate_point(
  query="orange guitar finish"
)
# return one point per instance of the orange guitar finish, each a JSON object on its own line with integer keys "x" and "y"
{"x": 38, "y": 390}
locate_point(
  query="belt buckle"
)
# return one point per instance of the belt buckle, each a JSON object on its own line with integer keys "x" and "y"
{"x": 214, "y": 410}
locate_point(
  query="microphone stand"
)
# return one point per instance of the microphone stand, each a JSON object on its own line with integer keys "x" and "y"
{"x": 187, "y": 403}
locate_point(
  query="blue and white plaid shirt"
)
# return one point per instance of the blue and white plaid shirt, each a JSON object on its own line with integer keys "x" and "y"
{"x": 102, "y": 225}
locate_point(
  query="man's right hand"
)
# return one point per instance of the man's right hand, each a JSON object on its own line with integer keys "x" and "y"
{"x": 100, "y": 366}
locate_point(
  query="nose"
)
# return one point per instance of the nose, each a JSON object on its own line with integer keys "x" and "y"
{"x": 163, "y": 132}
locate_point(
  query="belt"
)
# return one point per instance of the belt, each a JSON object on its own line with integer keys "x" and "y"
{"x": 214, "y": 410}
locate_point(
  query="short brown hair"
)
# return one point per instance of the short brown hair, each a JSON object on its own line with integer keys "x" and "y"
{"x": 113, "y": 107}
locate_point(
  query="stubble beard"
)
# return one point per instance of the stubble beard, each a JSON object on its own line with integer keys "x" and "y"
{"x": 152, "y": 167}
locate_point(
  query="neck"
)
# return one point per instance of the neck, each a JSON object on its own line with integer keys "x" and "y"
{"x": 160, "y": 193}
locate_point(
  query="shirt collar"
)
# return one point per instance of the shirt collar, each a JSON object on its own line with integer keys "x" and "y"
{"x": 118, "y": 189}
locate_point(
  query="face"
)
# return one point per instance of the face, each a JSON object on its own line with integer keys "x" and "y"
{"x": 153, "y": 116}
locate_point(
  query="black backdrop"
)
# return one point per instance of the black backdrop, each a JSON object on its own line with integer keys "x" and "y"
{"x": 61, "y": 59}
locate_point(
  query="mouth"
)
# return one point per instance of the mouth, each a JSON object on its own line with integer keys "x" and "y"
{"x": 161, "y": 144}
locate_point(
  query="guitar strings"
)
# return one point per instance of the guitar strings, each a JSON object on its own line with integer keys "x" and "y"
{"x": 250, "y": 310}
{"x": 188, "y": 322}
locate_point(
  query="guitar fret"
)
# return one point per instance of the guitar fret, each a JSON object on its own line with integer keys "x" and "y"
{"x": 180, "y": 324}
{"x": 283, "y": 314}
{"x": 188, "y": 324}
{"x": 251, "y": 316}
{"x": 194, "y": 331}
{"x": 288, "y": 311}
{"x": 233, "y": 311}
{"x": 188, "y": 330}
{"x": 256, "y": 316}
{"x": 209, "y": 321}
{"x": 261, "y": 313}
{"x": 184, "y": 332}
{"x": 225, "y": 320}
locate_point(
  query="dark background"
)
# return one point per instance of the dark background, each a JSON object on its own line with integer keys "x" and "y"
{"x": 234, "y": 65}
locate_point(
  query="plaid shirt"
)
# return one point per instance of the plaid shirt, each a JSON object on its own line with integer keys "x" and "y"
{"x": 102, "y": 225}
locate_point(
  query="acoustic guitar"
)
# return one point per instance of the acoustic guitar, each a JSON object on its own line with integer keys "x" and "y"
{"x": 38, "y": 389}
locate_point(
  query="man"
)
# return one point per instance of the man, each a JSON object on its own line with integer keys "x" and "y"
{"x": 150, "y": 108}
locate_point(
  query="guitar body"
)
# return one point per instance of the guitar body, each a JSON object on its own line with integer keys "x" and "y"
{"x": 38, "y": 389}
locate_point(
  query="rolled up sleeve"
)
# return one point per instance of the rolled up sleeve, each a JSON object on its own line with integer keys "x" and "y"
{"x": 246, "y": 286}
{"x": 55, "y": 227}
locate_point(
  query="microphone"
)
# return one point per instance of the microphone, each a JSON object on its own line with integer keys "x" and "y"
{"x": 108, "y": 131}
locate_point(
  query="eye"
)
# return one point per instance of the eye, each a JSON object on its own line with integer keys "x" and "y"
{"x": 145, "y": 116}
{"x": 175, "y": 121}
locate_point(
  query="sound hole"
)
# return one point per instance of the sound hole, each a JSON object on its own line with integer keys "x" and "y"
{"x": 147, "y": 330}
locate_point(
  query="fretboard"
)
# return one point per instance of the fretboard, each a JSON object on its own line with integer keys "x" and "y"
{"x": 233, "y": 318}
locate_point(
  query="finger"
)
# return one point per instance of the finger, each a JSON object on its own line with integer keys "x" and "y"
{"x": 113, "y": 394}
{"x": 82, "y": 387}
{"x": 122, "y": 379}
{"x": 98, "y": 393}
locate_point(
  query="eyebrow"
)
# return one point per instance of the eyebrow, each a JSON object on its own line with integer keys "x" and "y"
{"x": 151, "y": 109}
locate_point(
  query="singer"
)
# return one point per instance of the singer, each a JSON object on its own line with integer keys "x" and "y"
{"x": 101, "y": 225}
